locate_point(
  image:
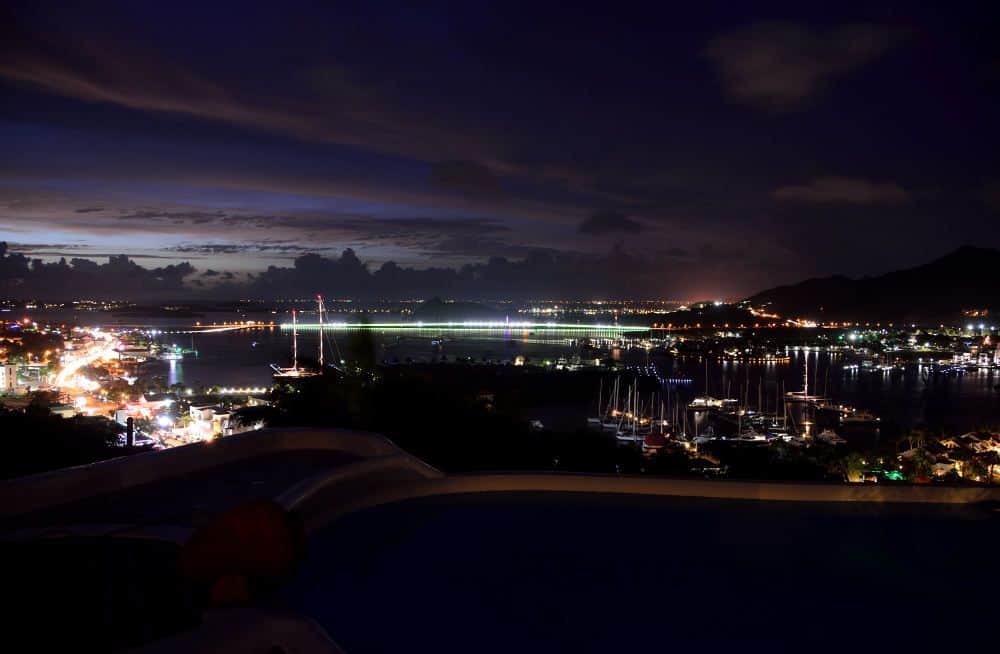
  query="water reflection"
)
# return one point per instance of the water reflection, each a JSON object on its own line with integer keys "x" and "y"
{"x": 914, "y": 395}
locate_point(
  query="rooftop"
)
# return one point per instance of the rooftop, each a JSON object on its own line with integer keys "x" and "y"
{"x": 401, "y": 557}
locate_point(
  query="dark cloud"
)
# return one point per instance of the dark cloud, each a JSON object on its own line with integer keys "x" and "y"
{"x": 68, "y": 250}
{"x": 477, "y": 245}
{"x": 386, "y": 227}
{"x": 211, "y": 248}
{"x": 359, "y": 226}
{"x": 469, "y": 177}
{"x": 86, "y": 254}
{"x": 469, "y": 236}
{"x": 177, "y": 217}
{"x": 321, "y": 102}
{"x": 779, "y": 65}
{"x": 606, "y": 222}
{"x": 991, "y": 195}
{"x": 537, "y": 274}
{"x": 119, "y": 277}
{"x": 349, "y": 130}
{"x": 466, "y": 236}
{"x": 243, "y": 248}
{"x": 31, "y": 247}
{"x": 842, "y": 190}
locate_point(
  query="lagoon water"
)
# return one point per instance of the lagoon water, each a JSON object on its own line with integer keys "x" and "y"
{"x": 903, "y": 398}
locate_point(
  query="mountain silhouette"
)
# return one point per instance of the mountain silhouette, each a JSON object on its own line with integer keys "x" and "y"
{"x": 966, "y": 279}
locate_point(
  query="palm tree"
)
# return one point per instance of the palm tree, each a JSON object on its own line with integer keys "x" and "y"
{"x": 917, "y": 437}
{"x": 991, "y": 459}
{"x": 975, "y": 468}
{"x": 962, "y": 457}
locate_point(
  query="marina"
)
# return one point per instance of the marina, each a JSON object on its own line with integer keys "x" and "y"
{"x": 851, "y": 396}
{"x": 641, "y": 388}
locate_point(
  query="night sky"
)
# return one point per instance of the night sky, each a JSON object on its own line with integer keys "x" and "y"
{"x": 676, "y": 150}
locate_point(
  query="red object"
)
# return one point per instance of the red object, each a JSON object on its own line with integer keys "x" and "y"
{"x": 256, "y": 541}
{"x": 231, "y": 589}
{"x": 655, "y": 440}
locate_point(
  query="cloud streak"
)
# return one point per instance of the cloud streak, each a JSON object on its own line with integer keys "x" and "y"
{"x": 842, "y": 190}
{"x": 779, "y": 66}
{"x": 607, "y": 222}
{"x": 329, "y": 105}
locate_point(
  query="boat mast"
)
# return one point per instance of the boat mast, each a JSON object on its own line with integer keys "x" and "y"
{"x": 706, "y": 375}
{"x": 295, "y": 342}
{"x": 635, "y": 407}
{"x": 805, "y": 369}
{"x": 816, "y": 372}
{"x": 319, "y": 301}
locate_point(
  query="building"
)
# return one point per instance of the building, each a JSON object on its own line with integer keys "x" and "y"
{"x": 210, "y": 421}
{"x": 8, "y": 378}
{"x": 63, "y": 410}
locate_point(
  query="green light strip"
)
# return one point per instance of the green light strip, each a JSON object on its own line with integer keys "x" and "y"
{"x": 467, "y": 326}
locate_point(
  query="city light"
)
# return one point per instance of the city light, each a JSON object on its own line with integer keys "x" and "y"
{"x": 466, "y": 325}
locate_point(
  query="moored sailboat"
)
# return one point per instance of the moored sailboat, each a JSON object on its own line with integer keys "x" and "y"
{"x": 300, "y": 371}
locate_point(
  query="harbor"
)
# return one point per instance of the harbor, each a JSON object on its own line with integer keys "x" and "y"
{"x": 703, "y": 394}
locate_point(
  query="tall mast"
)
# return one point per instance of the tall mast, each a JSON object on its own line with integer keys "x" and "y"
{"x": 295, "y": 342}
{"x": 816, "y": 372}
{"x": 319, "y": 300}
{"x": 706, "y": 375}
{"x": 635, "y": 407}
{"x": 805, "y": 388}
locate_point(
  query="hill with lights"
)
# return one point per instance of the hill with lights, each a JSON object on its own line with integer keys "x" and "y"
{"x": 951, "y": 289}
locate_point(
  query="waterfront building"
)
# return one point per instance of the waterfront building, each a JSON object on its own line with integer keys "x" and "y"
{"x": 63, "y": 410}
{"x": 210, "y": 421}
{"x": 8, "y": 378}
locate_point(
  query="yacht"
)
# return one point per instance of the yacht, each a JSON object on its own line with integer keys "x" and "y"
{"x": 296, "y": 371}
{"x": 705, "y": 403}
{"x": 859, "y": 417}
{"x": 608, "y": 417}
{"x": 828, "y": 406}
{"x": 831, "y": 437}
{"x": 803, "y": 395}
{"x": 705, "y": 437}
{"x": 751, "y": 435}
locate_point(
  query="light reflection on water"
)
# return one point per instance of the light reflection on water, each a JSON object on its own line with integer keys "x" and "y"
{"x": 902, "y": 397}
